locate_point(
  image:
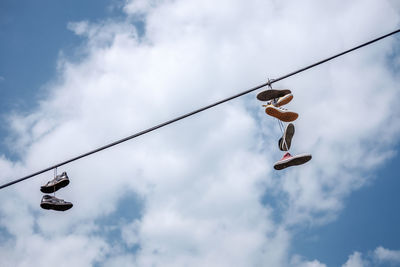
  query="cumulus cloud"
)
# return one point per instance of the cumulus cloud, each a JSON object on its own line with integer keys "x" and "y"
{"x": 379, "y": 257}
{"x": 355, "y": 260}
{"x": 199, "y": 182}
{"x": 298, "y": 261}
{"x": 382, "y": 254}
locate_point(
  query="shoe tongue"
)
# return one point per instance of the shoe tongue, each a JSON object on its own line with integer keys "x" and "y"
{"x": 287, "y": 155}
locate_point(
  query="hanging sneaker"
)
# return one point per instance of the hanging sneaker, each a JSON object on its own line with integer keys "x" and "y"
{"x": 286, "y": 139}
{"x": 288, "y": 160}
{"x": 283, "y": 100}
{"x": 58, "y": 182}
{"x": 272, "y": 94}
{"x": 52, "y": 203}
{"x": 280, "y": 113}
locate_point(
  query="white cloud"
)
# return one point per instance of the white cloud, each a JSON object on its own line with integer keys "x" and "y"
{"x": 140, "y": 7}
{"x": 355, "y": 260}
{"x": 201, "y": 180}
{"x": 71, "y": 250}
{"x": 386, "y": 255}
{"x": 299, "y": 262}
{"x": 379, "y": 257}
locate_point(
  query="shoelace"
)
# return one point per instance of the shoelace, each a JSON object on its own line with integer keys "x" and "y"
{"x": 281, "y": 108}
{"x": 272, "y": 102}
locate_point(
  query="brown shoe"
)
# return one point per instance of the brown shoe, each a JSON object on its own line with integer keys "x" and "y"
{"x": 281, "y": 113}
{"x": 272, "y": 94}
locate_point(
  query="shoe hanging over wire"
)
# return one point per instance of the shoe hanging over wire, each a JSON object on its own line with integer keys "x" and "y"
{"x": 283, "y": 100}
{"x": 52, "y": 203}
{"x": 289, "y": 160}
{"x": 58, "y": 182}
{"x": 280, "y": 113}
{"x": 286, "y": 140}
{"x": 271, "y": 94}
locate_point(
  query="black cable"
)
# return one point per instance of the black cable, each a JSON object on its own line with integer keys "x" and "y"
{"x": 195, "y": 112}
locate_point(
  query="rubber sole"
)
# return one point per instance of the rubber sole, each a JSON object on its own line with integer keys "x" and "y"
{"x": 58, "y": 207}
{"x": 272, "y": 94}
{"x": 52, "y": 189}
{"x": 288, "y": 135}
{"x": 283, "y": 115}
{"x": 292, "y": 161}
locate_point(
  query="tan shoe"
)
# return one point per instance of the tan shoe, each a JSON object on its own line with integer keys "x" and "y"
{"x": 281, "y": 113}
{"x": 284, "y": 100}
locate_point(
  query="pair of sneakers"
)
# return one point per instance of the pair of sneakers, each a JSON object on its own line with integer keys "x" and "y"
{"x": 51, "y": 202}
{"x": 284, "y": 145}
{"x": 276, "y": 99}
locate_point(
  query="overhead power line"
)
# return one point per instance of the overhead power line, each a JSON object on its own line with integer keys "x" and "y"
{"x": 269, "y": 83}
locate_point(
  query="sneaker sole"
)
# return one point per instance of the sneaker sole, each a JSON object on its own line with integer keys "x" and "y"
{"x": 272, "y": 94}
{"x": 284, "y": 100}
{"x": 289, "y": 132}
{"x": 286, "y": 116}
{"x": 49, "y": 206}
{"x": 294, "y": 161}
{"x": 52, "y": 189}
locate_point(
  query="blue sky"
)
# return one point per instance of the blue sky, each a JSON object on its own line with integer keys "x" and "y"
{"x": 369, "y": 218}
{"x": 32, "y": 39}
{"x": 354, "y": 220}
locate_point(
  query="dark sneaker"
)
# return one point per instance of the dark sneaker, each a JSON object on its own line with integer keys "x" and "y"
{"x": 53, "y": 203}
{"x": 280, "y": 113}
{"x": 286, "y": 139}
{"x": 288, "y": 160}
{"x": 58, "y": 182}
{"x": 272, "y": 94}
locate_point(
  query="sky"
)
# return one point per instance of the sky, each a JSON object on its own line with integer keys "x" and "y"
{"x": 203, "y": 191}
